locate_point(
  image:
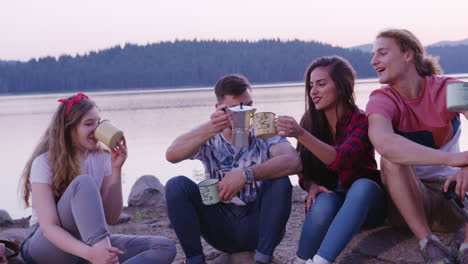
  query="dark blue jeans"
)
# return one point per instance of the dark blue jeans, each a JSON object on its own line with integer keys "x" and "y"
{"x": 335, "y": 218}
{"x": 229, "y": 228}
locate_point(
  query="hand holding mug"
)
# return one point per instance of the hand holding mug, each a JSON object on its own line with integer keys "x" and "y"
{"x": 287, "y": 126}
{"x": 119, "y": 154}
{"x": 231, "y": 184}
{"x": 219, "y": 119}
{"x": 209, "y": 191}
{"x": 461, "y": 179}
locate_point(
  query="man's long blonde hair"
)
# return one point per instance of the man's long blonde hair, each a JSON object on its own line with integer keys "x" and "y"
{"x": 64, "y": 161}
{"x": 426, "y": 65}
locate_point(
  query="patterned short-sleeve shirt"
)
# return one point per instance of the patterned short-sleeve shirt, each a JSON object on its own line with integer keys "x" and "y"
{"x": 219, "y": 155}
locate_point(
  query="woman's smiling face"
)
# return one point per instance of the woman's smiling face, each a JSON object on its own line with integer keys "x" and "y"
{"x": 322, "y": 89}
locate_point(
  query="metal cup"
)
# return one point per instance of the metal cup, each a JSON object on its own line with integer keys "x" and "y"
{"x": 461, "y": 206}
{"x": 457, "y": 96}
{"x": 209, "y": 191}
{"x": 240, "y": 122}
{"x": 264, "y": 124}
{"x": 108, "y": 134}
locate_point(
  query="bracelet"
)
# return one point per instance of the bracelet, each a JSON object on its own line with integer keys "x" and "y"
{"x": 248, "y": 174}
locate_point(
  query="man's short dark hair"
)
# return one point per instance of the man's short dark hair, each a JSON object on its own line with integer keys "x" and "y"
{"x": 231, "y": 84}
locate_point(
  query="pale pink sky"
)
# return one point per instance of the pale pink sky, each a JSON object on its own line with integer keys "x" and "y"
{"x": 37, "y": 28}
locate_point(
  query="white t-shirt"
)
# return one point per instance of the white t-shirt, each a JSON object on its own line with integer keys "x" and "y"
{"x": 96, "y": 165}
{"x": 441, "y": 171}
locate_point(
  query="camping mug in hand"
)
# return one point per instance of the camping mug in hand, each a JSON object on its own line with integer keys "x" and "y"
{"x": 209, "y": 191}
{"x": 264, "y": 124}
{"x": 457, "y": 96}
{"x": 108, "y": 134}
{"x": 462, "y": 206}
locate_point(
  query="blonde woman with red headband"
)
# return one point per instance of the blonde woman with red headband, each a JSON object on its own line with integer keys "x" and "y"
{"x": 76, "y": 189}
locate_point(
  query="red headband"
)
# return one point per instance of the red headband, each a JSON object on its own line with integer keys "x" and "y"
{"x": 75, "y": 99}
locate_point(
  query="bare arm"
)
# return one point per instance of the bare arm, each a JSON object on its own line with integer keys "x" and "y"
{"x": 403, "y": 151}
{"x": 111, "y": 194}
{"x": 290, "y": 128}
{"x": 323, "y": 151}
{"x": 49, "y": 222}
{"x": 111, "y": 189}
{"x": 284, "y": 161}
{"x": 186, "y": 145}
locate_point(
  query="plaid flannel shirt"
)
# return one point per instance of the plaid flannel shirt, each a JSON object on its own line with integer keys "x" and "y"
{"x": 354, "y": 152}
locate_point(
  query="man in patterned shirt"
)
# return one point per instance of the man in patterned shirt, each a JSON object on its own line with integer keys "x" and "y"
{"x": 254, "y": 186}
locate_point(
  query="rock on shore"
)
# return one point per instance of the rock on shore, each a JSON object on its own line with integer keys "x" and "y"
{"x": 5, "y": 218}
{"x": 147, "y": 191}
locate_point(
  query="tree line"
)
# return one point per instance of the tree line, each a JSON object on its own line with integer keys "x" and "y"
{"x": 189, "y": 63}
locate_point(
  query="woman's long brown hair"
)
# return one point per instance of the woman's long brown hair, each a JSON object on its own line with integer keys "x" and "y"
{"x": 315, "y": 121}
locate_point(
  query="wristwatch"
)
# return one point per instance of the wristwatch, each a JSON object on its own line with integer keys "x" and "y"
{"x": 248, "y": 174}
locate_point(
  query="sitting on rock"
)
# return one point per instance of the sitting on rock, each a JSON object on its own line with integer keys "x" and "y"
{"x": 255, "y": 190}
{"x": 417, "y": 137}
{"x": 339, "y": 169}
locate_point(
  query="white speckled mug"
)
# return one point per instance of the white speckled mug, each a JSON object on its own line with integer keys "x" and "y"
{"x": 209, "y": 191}
{"x": 457, "y": 96}
{"x": 108, "y": 133}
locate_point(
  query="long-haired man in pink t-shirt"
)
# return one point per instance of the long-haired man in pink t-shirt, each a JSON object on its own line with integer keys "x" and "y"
{"x": 417, "y": 137}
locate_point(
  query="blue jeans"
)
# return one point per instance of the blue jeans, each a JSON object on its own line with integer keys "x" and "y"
{"x": 335, "y": 218}
{"x": 229, "y": 228}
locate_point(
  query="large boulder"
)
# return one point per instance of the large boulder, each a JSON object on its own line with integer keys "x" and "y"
{"x": 147, "y": 191}
{"x": 5, "y": 218}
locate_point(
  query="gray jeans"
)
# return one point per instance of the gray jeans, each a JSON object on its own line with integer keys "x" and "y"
{"x": 81, "y": 213}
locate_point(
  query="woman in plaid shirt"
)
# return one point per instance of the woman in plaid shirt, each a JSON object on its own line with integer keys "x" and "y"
{"x": 339, "y": 169}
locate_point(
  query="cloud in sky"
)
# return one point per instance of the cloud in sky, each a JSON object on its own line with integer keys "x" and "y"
{"x": 54, "y": 27}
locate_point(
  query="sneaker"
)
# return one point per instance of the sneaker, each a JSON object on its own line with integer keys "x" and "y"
{"x": 436, "y": 253}
{"x": 463, "y": 256}
{"x": 296, "y": 260}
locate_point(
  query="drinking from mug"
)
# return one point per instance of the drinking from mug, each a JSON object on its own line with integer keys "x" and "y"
{"x": 108, "y": 134}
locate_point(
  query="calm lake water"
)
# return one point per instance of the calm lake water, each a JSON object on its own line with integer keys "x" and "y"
{"x": 151, "y": 119}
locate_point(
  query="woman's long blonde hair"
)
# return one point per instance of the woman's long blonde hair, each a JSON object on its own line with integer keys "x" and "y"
{"x": 64, "y": 161}
{"x": 426, "y": 65}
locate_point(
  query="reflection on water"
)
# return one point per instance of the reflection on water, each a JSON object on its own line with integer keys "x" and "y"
{"x": 151, "y": 119}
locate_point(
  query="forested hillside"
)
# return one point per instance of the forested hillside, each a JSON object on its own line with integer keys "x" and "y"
{"x": 188, "y": 63}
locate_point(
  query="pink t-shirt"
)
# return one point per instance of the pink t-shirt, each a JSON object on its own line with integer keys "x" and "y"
{"x": 424, "y": 120}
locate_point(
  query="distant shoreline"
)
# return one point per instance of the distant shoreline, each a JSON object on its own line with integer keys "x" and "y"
{"x": 182, "y": 89}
